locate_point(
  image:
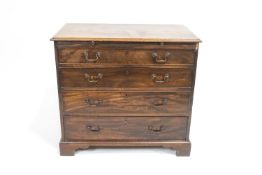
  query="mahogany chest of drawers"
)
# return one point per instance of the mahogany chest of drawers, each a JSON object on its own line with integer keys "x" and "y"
{"x": 125, "y": 86}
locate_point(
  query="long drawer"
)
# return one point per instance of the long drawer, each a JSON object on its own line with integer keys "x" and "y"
{"x": 104, "y": 103}
{"x": 125, "y": 56}
{"x": 125, "y": 128}
{"x": 126, "y": 77}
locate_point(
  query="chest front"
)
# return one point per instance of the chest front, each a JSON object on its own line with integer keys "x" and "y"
{"x": 125, "y": 90}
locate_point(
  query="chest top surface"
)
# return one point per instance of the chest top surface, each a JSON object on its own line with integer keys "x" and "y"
{"x": 125, "y": 33}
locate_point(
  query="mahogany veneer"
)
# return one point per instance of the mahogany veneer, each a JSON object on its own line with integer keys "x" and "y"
{"x": 125, "y": 85}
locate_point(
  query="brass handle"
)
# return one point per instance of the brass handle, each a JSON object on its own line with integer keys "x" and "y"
{"x": 94, "y": 128}
{"x": 93, "y": 78}
{"x": 93, "y": 102}
{"x": 160, "y": 60}
{"x": 155, "y": 128}
{"x": 86, "y": 55}
{"x": 160, "y": 78}
{"x": 160, "y": 102}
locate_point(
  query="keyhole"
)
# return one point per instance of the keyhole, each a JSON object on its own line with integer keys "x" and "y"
{"x": 125, "y": 95}
{"x": 125, "y": 122}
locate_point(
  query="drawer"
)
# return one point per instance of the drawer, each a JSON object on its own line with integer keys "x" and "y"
{"x": 125, "y": 56}
{"x": 126, "y": 77}
{"x": 126, "y": 103}
{"x": 125, "y": 128}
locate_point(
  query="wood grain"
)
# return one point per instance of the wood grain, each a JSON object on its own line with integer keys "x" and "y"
{"x": 181, "y": 147}
{"x": 125, "y": 56}
{"x": 125, "y": 86}
{"x": 125, "y": 32}
{"x": 102, "y": 103}
{"x": 126, "y": 45}
{"x": 79, "y": 128}
{"x": 126, "y": 77}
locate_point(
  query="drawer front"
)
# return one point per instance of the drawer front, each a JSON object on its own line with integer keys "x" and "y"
{"x": 125, "y": 56}
{"x": 125, "y": 128}
{"x": 126, "y": 77}
{"x": 126, "y": 103}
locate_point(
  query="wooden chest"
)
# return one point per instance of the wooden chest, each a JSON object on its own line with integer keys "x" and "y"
{"x": 125, "y": 86}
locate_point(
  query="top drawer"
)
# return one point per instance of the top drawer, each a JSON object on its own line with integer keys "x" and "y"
{"x": 125, "y": 53}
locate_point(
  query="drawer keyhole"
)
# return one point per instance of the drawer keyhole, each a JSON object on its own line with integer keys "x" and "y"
{"x": 93, "y": 102}
{"x": 159, "y": 102}
{"x": 155, "y": 128}
{"x": 93, "y": 128}
{"x": 158, "y": 78}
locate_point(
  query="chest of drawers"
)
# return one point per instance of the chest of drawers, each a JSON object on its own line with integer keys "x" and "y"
{"x": 125, "y": 86}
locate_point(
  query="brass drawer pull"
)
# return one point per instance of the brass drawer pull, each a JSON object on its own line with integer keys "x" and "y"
{"x": 93, "y": 128}
{"x": 160, "y": 60}
{"x": 160, "y": 102}
{"x": 86, "y": 56}
{"x": 160, "y": 78}
{"x": 93, "y": 78}
{"x": 93, "y": 102}
{"x": 155, "y": 128}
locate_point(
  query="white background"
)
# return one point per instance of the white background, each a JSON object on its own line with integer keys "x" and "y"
{"x": 226, "y": 124}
